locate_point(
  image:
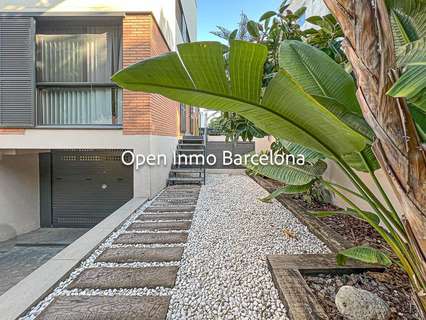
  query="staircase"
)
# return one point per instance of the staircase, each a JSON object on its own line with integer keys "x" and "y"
{"x": 186, "y": 173}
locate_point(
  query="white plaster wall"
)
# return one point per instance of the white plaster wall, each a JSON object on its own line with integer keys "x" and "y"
{"x": 335, "y": 174}
{"x": 163, "y": 10}
{"x": 263, "y": 144}
{"x": 147, "y": 180}
{"x": 19, "y": 195}
{"x": 159, "y": 174}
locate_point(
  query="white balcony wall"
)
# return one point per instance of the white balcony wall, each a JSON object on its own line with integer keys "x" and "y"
{"x": 164, "y": 11}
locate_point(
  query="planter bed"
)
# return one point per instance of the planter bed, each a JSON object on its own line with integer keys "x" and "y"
{"x": 339, "y": 232}
{"x": 392, "y": 285}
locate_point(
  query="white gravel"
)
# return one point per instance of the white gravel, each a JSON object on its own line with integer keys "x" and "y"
{"x": 223, "y": 273}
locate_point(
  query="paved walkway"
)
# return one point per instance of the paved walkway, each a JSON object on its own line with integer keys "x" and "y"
{"x": 145, "y": 256}
{"x": 24, "y": 254}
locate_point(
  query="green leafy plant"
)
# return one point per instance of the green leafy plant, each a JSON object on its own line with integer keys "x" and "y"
{"x": 233, "y": 126}
{"x": 408, "y": 21}
{"x": 312, "y": 191}
{"x": 310, "y": 101}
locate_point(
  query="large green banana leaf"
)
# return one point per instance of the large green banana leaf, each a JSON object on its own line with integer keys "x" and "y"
{"x": 413, "y": 53}
{"x": 411, "y": 84}
{"x": 365, "y": 254}
{"x": 331, "y": 86}
{"x": 403, "y": 29}
{"x": 295, "y": 149}
{"x": 290, "y": 174}
{"x": 318, "y": 74}
{"x": 288, "y": 189}
{"x": 419, "y": 116}
{"x": 357, "y": 161}
{"x": 408, "y": 20}
{"x": 354, "y": 121}
{"x": 198, "y": 76}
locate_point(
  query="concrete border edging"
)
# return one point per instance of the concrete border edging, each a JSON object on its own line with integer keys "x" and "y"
{"x": 36, "y": 285}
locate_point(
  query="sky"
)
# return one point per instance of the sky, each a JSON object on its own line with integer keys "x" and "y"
{"x": 226, "y": 13}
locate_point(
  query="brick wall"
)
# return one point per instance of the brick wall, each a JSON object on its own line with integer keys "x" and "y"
{"x": 12, "y": 131}
{"x": 145, "y": 113}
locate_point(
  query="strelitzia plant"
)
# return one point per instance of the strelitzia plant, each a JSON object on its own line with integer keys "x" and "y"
{"x": 310, "y": 101}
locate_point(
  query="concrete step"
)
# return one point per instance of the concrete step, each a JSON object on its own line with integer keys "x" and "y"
{"x": 187, "y": 170}
{"x": 192, "y": 138}
{"x": 111, "y": 308}
{"x": 184, "y": 145}
{"x": 126, "y": 278}
{"x": 186, "y": 179}
{"x": 129, "y": 255}
{"x": 152, "y": 238}
{"x": 190, "y": 150}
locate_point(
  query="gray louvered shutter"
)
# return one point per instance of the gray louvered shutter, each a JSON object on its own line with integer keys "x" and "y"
{"x": 17, "y": 71}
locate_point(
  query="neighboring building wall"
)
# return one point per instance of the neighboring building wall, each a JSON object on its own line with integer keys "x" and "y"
{"x": 19, "y": 195}
{"x": 313, "y": 7}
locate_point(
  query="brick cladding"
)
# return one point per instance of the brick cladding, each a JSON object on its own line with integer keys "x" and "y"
{"x": 145, "y": 113}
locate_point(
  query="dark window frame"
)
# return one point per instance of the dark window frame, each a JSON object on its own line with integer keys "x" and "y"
{"x": 181, "y": 21}
{"x": 75, "y": 20}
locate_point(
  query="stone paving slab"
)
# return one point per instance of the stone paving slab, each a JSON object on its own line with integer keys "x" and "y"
{"x": 126, "y": 278}
{"x": 106, "y": 308}
{"x": 151, "y": 238}
{"x": 160, "y": 226}
{"x": 171, "y": 209}
{"x": 129, "y": 255}
{"x": 166, "y": 216}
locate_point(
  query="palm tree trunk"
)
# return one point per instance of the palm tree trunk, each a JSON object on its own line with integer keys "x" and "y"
{"x": 370, "y": 49}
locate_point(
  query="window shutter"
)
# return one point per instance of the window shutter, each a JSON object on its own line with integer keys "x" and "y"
{"x": 17, "y": 71}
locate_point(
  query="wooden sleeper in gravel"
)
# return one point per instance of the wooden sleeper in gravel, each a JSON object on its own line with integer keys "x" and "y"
{"x": 166, "y": 216}
{"x": 125, "y": 278}
{"x": 171, "y": 209}
{"x": 159, "y": 226}
{"x": 106, "y": 308}
{"x": 129, "y": 255}
{"x": 152, "y": 238}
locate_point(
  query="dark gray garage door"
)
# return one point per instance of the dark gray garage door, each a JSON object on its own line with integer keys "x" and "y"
{"x": 87, "y": 186}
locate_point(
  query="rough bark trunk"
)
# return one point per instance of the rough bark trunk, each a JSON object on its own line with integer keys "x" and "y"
{"x": 370, "y": 49}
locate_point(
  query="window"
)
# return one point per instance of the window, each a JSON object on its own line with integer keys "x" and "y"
{"x": 75, "y": 60}
{"x": 181, "y": 21}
